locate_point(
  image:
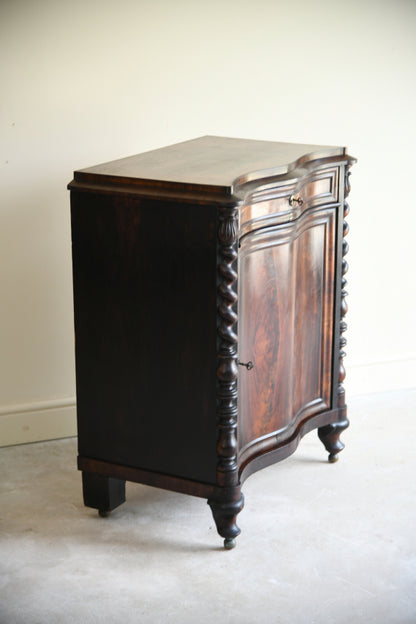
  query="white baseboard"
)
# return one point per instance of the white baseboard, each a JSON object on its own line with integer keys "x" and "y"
{"x": 34, "y": 422}
{"x": 382, "y": 376}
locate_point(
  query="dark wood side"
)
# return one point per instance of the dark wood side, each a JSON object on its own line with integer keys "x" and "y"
{"x": 145, "y": 322}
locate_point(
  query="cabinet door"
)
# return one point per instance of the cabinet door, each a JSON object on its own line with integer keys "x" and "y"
{"x": 286, "y": 303}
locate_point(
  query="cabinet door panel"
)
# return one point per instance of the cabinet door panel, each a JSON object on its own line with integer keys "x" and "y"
{"x": 286, "y": 302}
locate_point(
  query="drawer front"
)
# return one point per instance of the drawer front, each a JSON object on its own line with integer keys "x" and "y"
{"x": 272, "y": 206}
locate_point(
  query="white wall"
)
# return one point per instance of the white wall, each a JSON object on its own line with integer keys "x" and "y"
{"x": 84, "y": 82}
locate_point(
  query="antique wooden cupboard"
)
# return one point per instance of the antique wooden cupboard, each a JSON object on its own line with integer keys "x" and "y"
{"x": 209, "y": 299}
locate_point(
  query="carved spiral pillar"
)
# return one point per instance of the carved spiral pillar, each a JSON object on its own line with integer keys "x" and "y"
{"x": 344, "y": 306}
{"x": 227, "y": 372}
{"x": 228, "y": 500}
{"x": 330, "y": 434}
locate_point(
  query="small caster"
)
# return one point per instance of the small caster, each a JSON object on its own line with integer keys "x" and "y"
{"x": 333, "y": 457}
{"x": 103, "y": 514}
{"x": 230, "y": 543}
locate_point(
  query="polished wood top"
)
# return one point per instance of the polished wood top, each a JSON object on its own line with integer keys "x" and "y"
{"x": 217, "y": 164}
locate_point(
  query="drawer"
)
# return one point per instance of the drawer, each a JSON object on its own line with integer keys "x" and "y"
{"x": 274, "y": 205}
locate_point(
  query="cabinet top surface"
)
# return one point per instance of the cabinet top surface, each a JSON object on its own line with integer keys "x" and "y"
{"x": 218, "y": 163}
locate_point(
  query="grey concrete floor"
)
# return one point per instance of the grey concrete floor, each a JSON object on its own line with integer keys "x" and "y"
{"x": 320, "y": 543}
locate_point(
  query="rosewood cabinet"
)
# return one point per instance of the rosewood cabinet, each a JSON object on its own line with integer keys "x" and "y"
{"x": 209, "y": 298}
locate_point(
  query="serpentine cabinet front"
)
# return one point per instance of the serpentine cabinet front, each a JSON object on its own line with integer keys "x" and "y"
{"x": 287, "y": 301}
{"x": 209, "y": 304}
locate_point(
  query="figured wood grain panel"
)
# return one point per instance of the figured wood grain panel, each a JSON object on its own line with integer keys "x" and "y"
{"x": 286, "y": 301}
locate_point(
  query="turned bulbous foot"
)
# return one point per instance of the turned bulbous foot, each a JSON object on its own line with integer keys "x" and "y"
{"x": 329, "y": 436}
{"x": 225, "y": 516}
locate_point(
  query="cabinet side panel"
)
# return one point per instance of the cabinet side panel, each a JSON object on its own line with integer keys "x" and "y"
{"x": 145, "y": 322}
{"x": 286, "y": 301}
